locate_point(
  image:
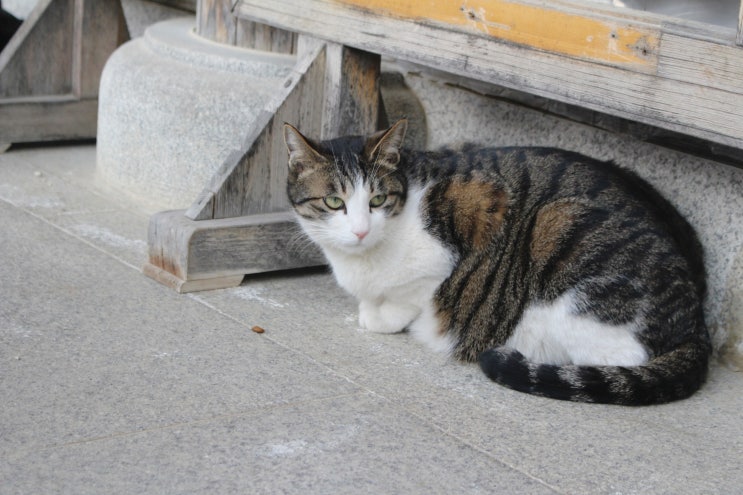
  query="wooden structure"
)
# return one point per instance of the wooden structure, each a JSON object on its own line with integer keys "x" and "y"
{"x": 51, "y": 68}
{"x": 241, "y": 223}
{"x": 680, "y": 77}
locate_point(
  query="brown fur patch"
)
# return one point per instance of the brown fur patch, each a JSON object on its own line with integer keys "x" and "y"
{"x": 552, "y": 222}
{"x": 479, "y": 208}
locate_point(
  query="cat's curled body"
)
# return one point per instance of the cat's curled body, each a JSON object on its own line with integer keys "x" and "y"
{"x": 564, "y": 276}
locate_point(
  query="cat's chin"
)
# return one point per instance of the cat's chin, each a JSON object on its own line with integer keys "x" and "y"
{"x": 353, "y": 249}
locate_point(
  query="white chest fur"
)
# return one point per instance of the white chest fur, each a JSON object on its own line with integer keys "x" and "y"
{"x": 395, "y": 279}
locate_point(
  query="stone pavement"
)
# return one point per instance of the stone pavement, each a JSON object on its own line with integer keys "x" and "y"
{"x": 111, "y": 383}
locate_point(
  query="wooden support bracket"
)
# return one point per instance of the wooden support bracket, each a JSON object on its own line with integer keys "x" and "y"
{"x": 241, "y": 223}
{"x": 51, "y": 68}
{"x": 189, "y": 255}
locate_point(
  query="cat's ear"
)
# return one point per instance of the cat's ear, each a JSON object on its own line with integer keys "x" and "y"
{"x": 384, "y": 146}
{"x": 301, "y": 152}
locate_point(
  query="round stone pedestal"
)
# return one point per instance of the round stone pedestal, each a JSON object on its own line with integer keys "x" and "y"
{"x": 173, "y": 105}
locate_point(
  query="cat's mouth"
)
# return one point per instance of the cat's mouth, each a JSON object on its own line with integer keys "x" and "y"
{"x": 356, "y": 246}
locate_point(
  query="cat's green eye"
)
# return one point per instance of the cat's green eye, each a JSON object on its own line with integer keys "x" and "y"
{"x": 377, "y": 200}
{"x": 333, "y": 202}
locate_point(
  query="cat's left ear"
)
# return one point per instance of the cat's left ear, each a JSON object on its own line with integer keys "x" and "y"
{"x": 385, "y": 145}
{"x": 301, "y": 152}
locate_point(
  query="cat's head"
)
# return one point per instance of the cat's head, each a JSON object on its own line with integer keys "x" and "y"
{"x": 346, "y": 190}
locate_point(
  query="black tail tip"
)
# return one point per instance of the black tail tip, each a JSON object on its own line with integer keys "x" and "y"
{"x": 503, "y": 365}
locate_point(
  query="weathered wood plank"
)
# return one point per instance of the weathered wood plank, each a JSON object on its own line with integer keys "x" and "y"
{"x": 100, "y": 29}
{"x": 739, "y": 36}
{"x": 566, "y": 32}
{"x": 702, "y": 63}
{"x": 214, "y": 21}
{"x": 680, "y": 106}
{"x": 190, "y": 255}
{"x": 251, "y": 181}
{"x": 47, "y": 119}
{"x": 258, "y": 36}
{"x": 351, "y": 92}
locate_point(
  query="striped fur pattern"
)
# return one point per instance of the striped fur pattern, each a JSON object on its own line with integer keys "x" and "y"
{"x": 564, "y": 276}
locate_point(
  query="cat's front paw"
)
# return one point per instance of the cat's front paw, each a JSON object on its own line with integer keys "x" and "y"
{"x": 386, "y": 317}
{"x": 372, "y": 319}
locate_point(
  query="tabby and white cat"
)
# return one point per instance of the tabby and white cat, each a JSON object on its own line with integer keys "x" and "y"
{"x": 564, "y": 276}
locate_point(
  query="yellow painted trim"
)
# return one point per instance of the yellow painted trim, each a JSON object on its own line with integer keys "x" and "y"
{"x": 534, "y": 26}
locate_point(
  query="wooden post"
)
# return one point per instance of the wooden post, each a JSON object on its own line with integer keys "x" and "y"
{"x": 242, "y": 222}
{"x": 739, "y": 37}
{"x": 215, "y": 20}
{"x": 351, "y": 89}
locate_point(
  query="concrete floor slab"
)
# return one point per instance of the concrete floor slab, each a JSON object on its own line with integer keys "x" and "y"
{"x": 112, "y": 383}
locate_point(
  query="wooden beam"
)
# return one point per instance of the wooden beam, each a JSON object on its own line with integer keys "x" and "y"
{"x": 657, "y": 86}
{"x": 538, "y": 26}
{"x": 47, "y": 119}
{"x": 188, "y": 255}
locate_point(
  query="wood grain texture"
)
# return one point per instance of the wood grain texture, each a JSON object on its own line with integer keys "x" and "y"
{"x": 351, "y": 92}
{"x": 200, "y": 255}
{"x": 675, "y": 102}
{"x": 537, "y": 25}
{"x": 701, "y": 63}
{"x": 47, "y": 119}
{"x": 102, "y": 29}
{"x": 214, "y": 21}
{"x": 259, "y": 36}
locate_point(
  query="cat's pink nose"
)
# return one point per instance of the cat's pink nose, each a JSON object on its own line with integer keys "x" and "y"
{"x": 361, "y": 234}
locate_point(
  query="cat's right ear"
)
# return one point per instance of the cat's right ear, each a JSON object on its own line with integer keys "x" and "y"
{"x": 384, "y": 147}
{"x": 301, "y": 152}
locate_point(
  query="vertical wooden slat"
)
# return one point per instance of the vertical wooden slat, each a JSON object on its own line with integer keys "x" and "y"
{"x": 351, "y": 92}
{"x": 214, "y": 21}
{"x": 104, "y": 22}
{"x": 739, "y": 38}
{"x": 259, "y": 36}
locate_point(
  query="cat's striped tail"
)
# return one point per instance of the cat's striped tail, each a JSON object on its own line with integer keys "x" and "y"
{"x": 668, "y": 377}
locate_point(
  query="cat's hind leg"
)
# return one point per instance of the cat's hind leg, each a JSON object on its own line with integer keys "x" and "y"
{"x": 427, "y": 329}
{"x": 555, "y": 333}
